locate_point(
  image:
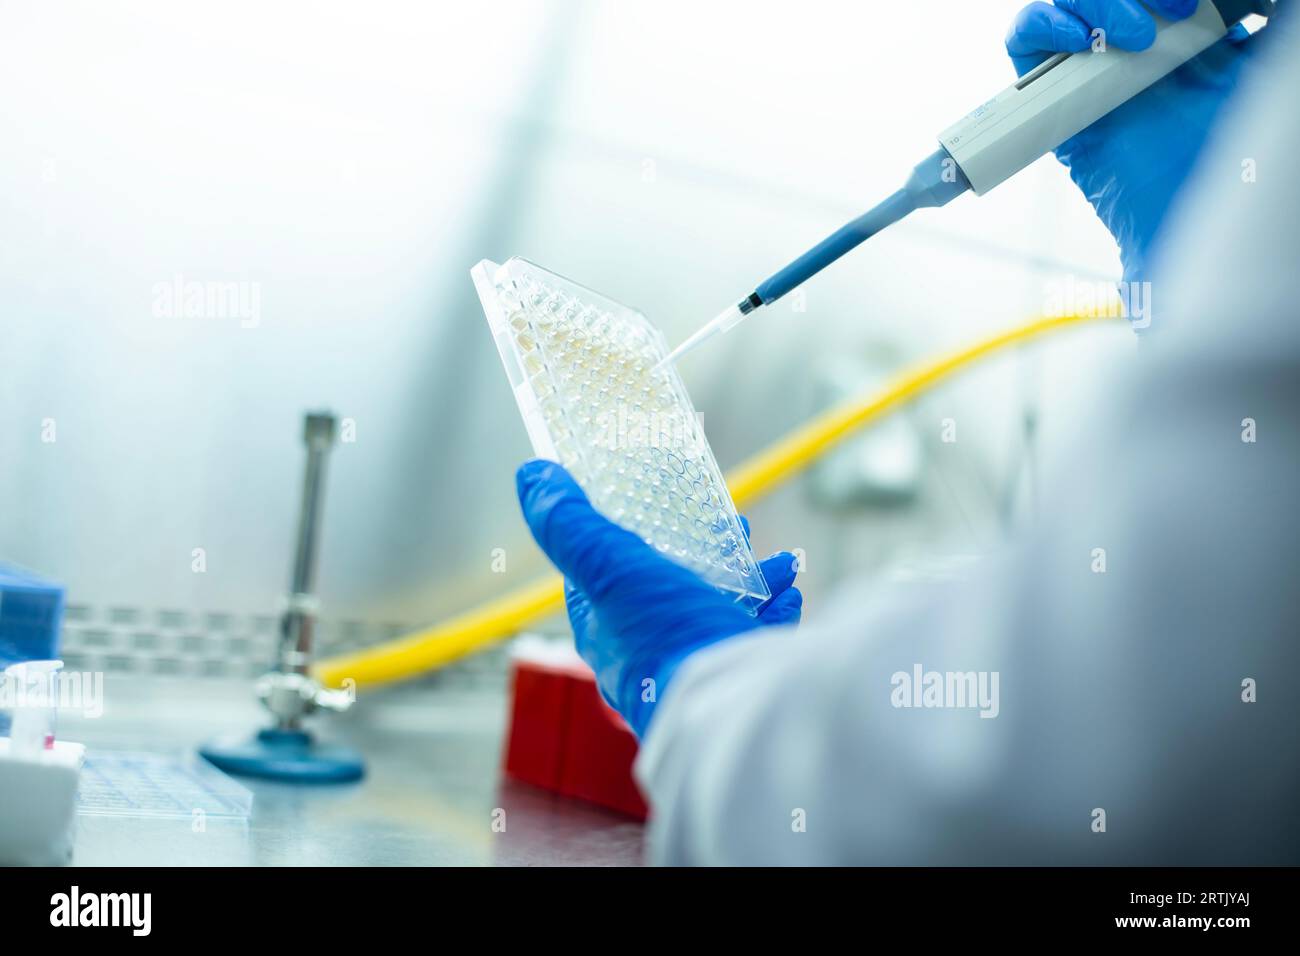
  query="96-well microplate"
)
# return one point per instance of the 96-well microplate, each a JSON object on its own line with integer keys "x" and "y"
{"x": 585, "y": 376}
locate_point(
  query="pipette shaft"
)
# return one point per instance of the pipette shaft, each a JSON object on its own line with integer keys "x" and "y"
{"x": 935, "y": 181}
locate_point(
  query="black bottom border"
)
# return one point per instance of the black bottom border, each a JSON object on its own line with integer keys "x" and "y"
{"x": 338, "y": 904}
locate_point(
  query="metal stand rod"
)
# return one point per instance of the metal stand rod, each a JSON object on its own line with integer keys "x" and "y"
{"x": 298, "y": 621}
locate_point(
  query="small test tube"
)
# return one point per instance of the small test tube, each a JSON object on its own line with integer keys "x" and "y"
{"x": 34, "y": 690}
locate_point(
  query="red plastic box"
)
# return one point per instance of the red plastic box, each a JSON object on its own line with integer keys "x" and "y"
{"x": 565, "y": 738}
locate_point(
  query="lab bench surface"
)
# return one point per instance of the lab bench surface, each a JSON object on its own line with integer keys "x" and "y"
{"x": 433, "y": 792}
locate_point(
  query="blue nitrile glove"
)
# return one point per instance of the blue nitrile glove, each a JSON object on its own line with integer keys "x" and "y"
{"x": 636, "y": 615}
{"x": 1132, "y": 162}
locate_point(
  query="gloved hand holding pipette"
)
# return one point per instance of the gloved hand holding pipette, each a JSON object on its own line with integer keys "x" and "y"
{"x": 1132, "y": 163}
{"x": 636, "y": 614}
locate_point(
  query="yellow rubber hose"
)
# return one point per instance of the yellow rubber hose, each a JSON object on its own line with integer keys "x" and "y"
{"x": 502, "y": 617}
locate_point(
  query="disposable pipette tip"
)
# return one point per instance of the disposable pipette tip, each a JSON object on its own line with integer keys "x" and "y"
{"x": 716, "y": 326}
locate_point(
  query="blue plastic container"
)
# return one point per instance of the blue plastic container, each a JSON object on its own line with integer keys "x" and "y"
{"x": 31, "y": 616}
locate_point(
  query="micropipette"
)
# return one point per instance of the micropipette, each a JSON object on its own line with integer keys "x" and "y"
{"x": 1061, "y": 96}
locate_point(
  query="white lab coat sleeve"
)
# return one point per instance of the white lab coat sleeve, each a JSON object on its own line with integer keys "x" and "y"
{"x": 1144, "y": 710}
{"x": 1102, "y": 697}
